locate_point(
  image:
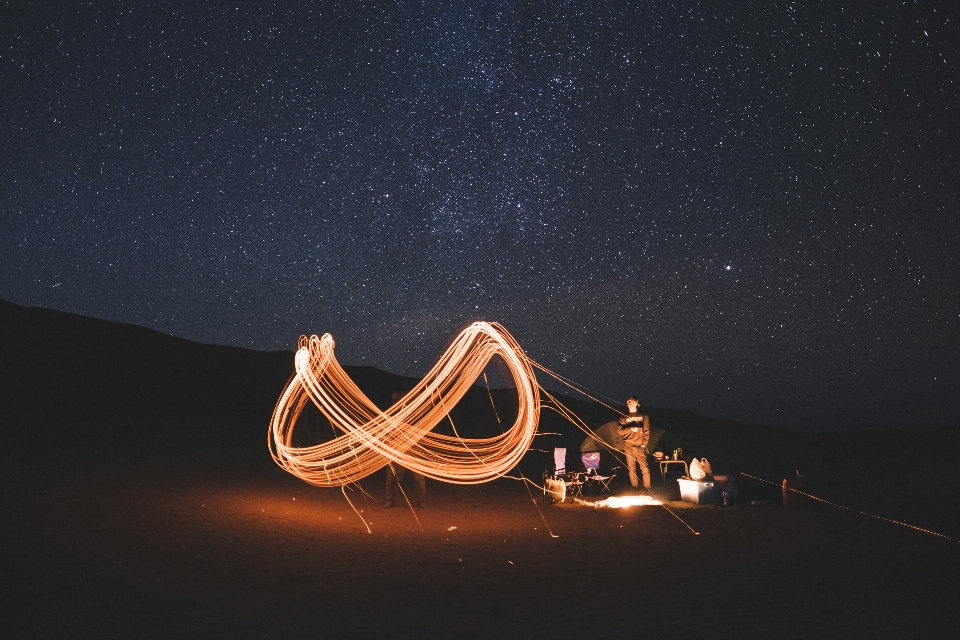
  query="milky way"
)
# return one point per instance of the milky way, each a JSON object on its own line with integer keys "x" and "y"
{"x": 748, "y": 211}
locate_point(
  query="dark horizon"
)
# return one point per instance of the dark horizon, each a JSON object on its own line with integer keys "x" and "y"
{"x": 749, "y": 212}
{"x": 94, "y": 350}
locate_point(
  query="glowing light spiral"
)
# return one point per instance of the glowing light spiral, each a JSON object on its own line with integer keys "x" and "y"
{"x": 402, "y": 433}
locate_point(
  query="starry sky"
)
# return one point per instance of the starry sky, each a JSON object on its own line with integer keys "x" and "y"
{"x": 748, "y": 210}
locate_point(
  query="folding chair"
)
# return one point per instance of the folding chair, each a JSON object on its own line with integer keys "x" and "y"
{"x": 560, "y": 485}
{"x": 592, "y": 477}
{"x": 560, "y": 461}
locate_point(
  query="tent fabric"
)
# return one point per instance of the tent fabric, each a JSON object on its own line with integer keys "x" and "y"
{"x": 670, "y": 442}
{"x": 608, "y": 433}
{"x": 655, "y": 436}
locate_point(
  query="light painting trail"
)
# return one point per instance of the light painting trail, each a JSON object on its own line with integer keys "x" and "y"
{"x": 372, "y": 438}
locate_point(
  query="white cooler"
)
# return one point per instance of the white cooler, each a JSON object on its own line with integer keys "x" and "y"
{"x": 698, "y": 491}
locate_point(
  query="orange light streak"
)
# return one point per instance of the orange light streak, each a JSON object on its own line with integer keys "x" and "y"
{"x": 371, "y": 438}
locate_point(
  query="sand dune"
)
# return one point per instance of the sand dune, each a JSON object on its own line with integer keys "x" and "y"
{"x": 95, "y": 550}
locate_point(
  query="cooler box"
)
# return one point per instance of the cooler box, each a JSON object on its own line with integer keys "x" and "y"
{"x": 726, "y": 487}
{"x": 698, "y": 491}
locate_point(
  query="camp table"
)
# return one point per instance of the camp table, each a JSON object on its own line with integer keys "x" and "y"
{"x": 665, "y": 464}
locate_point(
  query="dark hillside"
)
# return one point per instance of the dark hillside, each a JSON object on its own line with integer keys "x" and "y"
{"x": 68, "y": 367}
{"x": 72, "y": 382}
{"x": 69, "y": 380}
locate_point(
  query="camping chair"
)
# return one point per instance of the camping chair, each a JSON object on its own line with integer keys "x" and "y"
{"x": 592, "y": 478}
{"x": 559, "y": 485}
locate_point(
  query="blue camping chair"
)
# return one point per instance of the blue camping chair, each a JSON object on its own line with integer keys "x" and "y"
{"x": 592, "y": 478}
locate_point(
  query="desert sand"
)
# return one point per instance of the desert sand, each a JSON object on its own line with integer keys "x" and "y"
{"x": 104, "y": 548}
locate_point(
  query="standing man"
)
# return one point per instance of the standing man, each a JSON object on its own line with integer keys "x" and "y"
{"x": 635, "y": 429}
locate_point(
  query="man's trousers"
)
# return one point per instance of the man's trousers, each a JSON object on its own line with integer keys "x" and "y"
{"x": 395, "y": 474}
{"x": 635, "y": 455}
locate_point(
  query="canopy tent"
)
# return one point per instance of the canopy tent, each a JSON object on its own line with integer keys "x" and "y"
{"x": 611, "y": 438}
{"x": 670, "y": 441}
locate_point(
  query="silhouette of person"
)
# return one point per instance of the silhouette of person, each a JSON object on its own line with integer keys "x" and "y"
{"x": 395, "y": 474}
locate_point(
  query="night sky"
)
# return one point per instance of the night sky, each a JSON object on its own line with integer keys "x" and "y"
{"x": 746, "y": 210}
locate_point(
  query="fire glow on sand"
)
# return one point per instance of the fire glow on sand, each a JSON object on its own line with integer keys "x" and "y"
{"x": 619, "y": 502}
{"x": 372, "y": 438}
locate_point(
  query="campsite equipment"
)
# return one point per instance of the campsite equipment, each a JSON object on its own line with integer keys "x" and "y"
{"x": 560, "y": 461}
{"x": 792, "y": 490}
{"x": 610, "y": 437}
{"x": 665, "y": 467}
{"x": 560, "y": 484}
{"x": 696, "y": 471}
{"x": 554, "y": 490}
{"x": 698, "y": 492}
{"x": 592, "y": 477}
{"x": 700, "y": 469}
{"x": 727, "y": 496}
{"x": 790, "y": 497}
{"x": 727, "y": 486}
